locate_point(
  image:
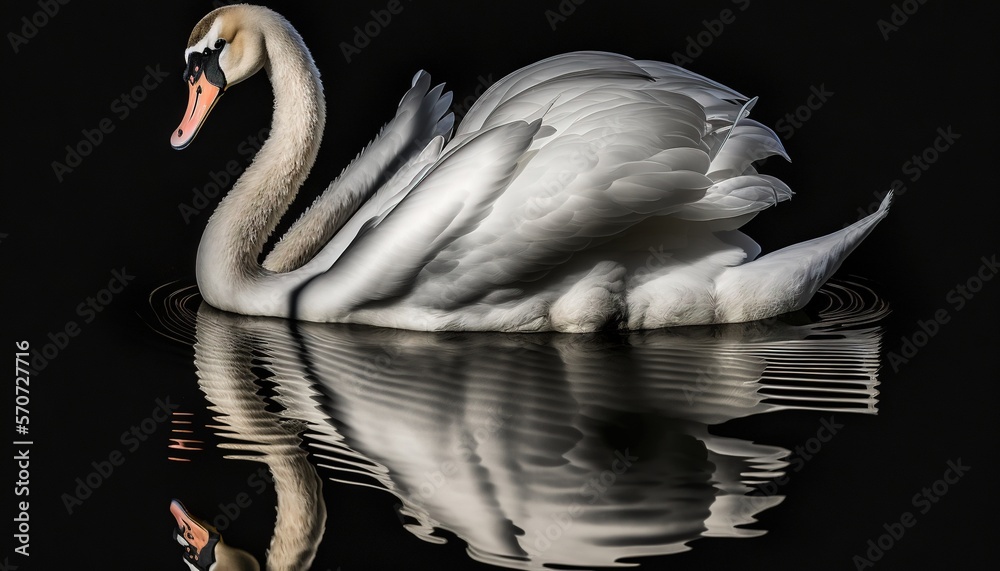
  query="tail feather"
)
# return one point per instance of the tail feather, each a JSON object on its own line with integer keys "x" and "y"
{"x": 786, "y": 280}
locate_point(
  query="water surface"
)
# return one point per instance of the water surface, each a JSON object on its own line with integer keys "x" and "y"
{"x": 535, "y": 450}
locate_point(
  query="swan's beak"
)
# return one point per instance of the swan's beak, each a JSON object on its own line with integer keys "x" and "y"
{"x": 202, "y": 97}
{"x": 206, "y": 84}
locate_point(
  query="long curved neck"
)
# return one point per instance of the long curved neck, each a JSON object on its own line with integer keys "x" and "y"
{"x": 246, "y": 217}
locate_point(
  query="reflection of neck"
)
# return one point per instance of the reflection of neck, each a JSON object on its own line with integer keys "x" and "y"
{"x": 301, "y": 515}
{"x": 223, "y": 358}
{"x": 246, "y": 217}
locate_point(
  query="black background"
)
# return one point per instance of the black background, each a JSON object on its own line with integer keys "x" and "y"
{"x": 119, "y": 208}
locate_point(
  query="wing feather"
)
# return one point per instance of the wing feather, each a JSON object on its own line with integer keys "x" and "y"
{"x": 609, "y": 143}
{"x": 449, "y": 201}
{"x": 420, "y": 118}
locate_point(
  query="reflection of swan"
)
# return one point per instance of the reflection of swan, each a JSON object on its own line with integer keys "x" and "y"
{"x": 204, "y": 549}
{"x": 540, "y": 213}
{"x": 534, "y": 449}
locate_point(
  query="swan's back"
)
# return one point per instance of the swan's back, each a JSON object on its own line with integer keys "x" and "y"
{"x": 620, "y": 142}
{"x": 543, "y": 210}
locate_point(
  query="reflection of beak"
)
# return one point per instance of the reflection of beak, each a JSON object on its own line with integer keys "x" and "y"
{"x": 202, "y": 97}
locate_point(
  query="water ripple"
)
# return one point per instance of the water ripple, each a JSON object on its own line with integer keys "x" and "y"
{"x": 535, "y": 449}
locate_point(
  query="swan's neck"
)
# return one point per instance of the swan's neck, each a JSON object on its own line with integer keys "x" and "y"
{"x": 246, "y": 217}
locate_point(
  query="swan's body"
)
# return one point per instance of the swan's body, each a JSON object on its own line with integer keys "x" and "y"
{"x": 585, "y": 191}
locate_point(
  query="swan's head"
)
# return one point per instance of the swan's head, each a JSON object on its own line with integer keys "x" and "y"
{"x": 226, "y": 47}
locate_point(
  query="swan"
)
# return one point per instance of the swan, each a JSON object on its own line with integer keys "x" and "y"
{"x": 583, "y": 192}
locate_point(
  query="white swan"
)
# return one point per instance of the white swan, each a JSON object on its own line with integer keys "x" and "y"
{"x": 585, "y": 191}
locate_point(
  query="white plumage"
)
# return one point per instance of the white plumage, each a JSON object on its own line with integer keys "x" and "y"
{"x": 585, "y": 191}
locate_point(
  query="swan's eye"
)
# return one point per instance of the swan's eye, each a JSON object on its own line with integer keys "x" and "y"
{"x": 219, "y": 43}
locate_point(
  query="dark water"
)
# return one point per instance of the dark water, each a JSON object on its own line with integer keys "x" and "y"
{"x": 703, "y": 448}
{"x": 535, "y": 450}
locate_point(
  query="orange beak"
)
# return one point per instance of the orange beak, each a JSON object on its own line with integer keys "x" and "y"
{"x": 206, "y": 84}
{"x": 202, "y": 97}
